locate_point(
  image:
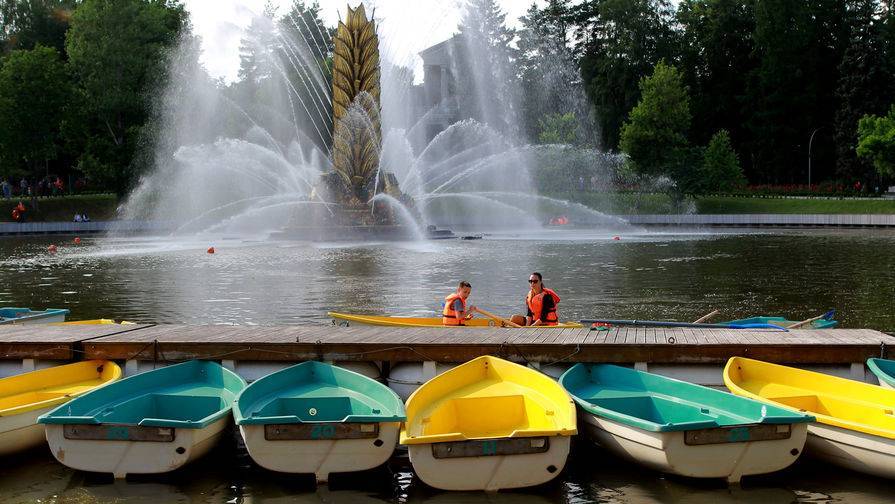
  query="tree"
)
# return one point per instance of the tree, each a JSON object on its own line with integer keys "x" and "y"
{"x": 559, "y": 129}
{"x": 721, "y": 170}
{"x": 716, "y": 52}
{"x": 655, "y": 135}
{"x": 34, "y": 87}
{"x": 876, "y": 142}
{"x": 484, "y": 67}
{"x": 619, "y": 42}
{"x": 117, "y": 51}
{"x": 26, "y": 23}
{"x": 864, "y": 84}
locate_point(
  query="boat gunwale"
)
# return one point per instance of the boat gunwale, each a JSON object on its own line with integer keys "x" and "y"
{"x": 52, "y": 418}
{"x": 881, "y": 375}
{"x": 398, "y": 413}
{"x": 825, "y": 419}
{"x": 782, "y": 417}
{"x": 389, "y": 321}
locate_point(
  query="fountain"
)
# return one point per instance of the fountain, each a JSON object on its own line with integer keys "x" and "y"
{"x": 302, "y": 148}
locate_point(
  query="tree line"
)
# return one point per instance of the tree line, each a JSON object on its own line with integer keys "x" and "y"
{"x": 709, "y": 92}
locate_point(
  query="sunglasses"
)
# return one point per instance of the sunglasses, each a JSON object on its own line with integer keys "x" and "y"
{"x": 533, "y": 281}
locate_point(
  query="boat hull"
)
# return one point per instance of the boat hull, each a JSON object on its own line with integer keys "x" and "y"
{"x": 480, "y": 322}
{"x": 490, "y": 473}
{"x": 121, "y": 458}
{"x": 853, "y": 450}
{"x": 320, "y": 457}
{"x": 668, "y": 452}
{"x": 22, "y": 432}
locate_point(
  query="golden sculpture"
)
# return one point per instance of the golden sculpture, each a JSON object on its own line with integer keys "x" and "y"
{"x": 357, "y": 135}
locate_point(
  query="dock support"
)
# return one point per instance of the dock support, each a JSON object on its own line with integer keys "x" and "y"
{"x": 131, "y": 367}
{"x": 640, "y": 366}
{"x": 229, "y": 364}
{"x": 29, "y": 365}
{"x": 429, "y": 371}
{"x": 857, "y": 371}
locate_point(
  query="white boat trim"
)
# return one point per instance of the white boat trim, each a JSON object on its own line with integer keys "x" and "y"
{"x": 490, "y": 473}
{"x": 121, "y": 458}
{"x": 320, "y": 457}
{"x": 853, "y": 450}
{"x": 667, "y": 451}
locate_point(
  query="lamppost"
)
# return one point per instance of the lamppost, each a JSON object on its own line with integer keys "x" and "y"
{"x": 810, "y": 143}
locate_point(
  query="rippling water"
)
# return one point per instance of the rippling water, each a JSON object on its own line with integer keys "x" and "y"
{"x": 679, "y": 275}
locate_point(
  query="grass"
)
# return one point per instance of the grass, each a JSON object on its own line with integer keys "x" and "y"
{"x": 63, "y": 208}
{"x": 656, "y": 203}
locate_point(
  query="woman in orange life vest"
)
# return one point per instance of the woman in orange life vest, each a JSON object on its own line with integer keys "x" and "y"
{"x": 541, "y": 303}
{"x": 455, "y": 311}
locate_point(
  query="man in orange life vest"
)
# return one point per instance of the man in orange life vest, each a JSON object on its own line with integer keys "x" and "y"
{"x": 455, "y": 311}
{"x": 541, "y": 303}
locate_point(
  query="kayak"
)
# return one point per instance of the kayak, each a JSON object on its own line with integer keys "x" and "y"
{"x": 27, "y": 316}
{"x": 854, "y": 427}
{"x": 96, "y": 322}
{"x": 782, "y": 322}
{"x": 320, "y": 419}
{"x": 488, "y": 424}
{"x": 682, "y": 428}
{"x": 24, "y": 397}
{"x": 428, "y": 321}
{"x": 149, "y": 423}
{"x": 884, "y": 369}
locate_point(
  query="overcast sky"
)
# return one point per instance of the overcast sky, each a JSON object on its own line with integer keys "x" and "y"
{"x": 407, "y": 26}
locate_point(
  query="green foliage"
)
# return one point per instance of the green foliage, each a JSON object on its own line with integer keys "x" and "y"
{"x": 34, "y": 87}
{"x": 558, "y": 129}
{"x": 876, "y": 142}
{"x": 25, "y": 24}
{"x": 117, "y": 51}
{"x": 721, "y": 170}
{"x": 655, "y": 135}
{"x": 618, "y": 42}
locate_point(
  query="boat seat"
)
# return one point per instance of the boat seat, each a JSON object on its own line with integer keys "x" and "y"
{"x": 314, "y": 409}
{"x": 488, "y": 416}
{"x": 657, "y": 409}
{"x": 187, "y": 408}
{"x": 17, "y": 400}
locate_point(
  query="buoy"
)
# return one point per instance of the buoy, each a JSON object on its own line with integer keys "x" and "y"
{"x": 51, "y": 249}
{"x": 616, "y": 238}
{"x": 77, "y": 240}
{"x": 210, "y": 250}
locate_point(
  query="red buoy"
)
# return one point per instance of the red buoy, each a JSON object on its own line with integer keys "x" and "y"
{"x": 616, "y": 238}
{"x": 51, "y": 249}
{"x": 77, "y": 240}
{"x": 210, "y": 250}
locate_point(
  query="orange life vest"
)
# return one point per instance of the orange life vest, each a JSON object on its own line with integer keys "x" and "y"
{"x": 449, "y": 316}
{"x": 536, "y": 304}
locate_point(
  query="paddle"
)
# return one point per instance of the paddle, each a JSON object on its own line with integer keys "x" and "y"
{"x": 671, "y": 323}
{"x": 706, "y": 316}
{"x": 503, "y": 321}
{"x": 825, "y": 316}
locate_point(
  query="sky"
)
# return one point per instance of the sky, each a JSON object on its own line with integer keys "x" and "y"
{"x": 406, "y": 26}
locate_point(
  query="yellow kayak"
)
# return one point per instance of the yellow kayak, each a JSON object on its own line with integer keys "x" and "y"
{"x": 488, "y": 424}
{"x": 855, "y": 423}
{"x": 428, "y": 321}
{"x": 25, "y": 397}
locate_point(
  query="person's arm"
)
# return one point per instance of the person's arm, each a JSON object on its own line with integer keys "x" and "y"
{"x": 458, "y": 309}
{"x": 546, "y": 306}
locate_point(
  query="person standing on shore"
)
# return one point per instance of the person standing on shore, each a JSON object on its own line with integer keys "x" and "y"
{"x": 541, "y": 304}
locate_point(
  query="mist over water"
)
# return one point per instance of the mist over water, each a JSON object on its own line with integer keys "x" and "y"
{"x": 245, "y": 157}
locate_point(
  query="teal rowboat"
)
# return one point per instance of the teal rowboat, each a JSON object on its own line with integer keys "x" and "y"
{"x": 153, "y": 422}
{"x": 782, "y": 322}
{"x": 682, "y": 428}
{"x": 319, "y": 419}
{"x": 884, "y": 369}
{"x": 28, "y": 316}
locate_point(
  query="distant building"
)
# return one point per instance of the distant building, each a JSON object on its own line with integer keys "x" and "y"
{"x": 437, "y": 98}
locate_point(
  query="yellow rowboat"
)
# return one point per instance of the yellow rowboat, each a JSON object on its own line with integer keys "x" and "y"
{"x": 96, "y": 322}
{"x": 488, "y": 424}
{"x": 855, "y": 426}
{"x": 25, "y": 397}
{"x": 428, "y": 321}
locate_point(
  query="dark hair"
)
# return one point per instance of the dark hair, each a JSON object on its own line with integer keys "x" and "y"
{"x": 540, "y": 278}
{"x": 464, "y": 283}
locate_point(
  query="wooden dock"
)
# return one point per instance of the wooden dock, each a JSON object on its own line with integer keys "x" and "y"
{"x": 174, "y": 343}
